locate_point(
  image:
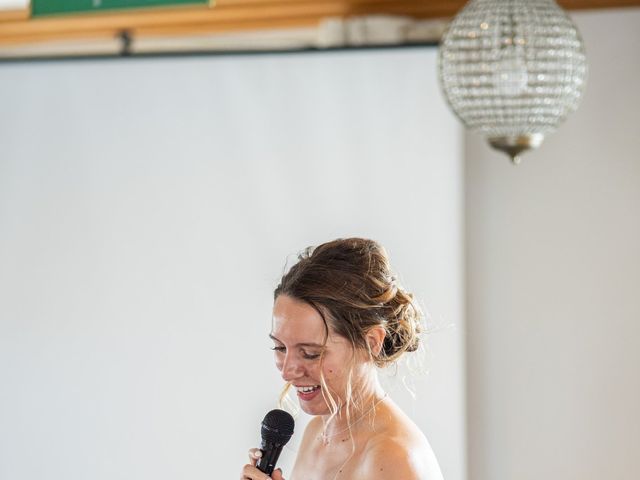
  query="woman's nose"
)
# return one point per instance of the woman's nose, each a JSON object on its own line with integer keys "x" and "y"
{"x": 291, "y": 369}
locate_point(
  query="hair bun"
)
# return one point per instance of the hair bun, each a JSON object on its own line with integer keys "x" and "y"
{"x": 403, "y": 326}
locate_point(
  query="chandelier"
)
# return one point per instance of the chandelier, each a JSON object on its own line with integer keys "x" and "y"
{"x": 512, "y": 70}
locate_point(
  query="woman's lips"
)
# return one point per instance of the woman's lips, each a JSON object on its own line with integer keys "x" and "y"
{"x": 308, "y": 393}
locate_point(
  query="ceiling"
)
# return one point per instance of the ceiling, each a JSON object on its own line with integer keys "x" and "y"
{"x": 261, "y": 23}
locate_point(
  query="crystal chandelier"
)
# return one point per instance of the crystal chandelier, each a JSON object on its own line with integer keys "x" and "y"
{"x": 512, "y": 70}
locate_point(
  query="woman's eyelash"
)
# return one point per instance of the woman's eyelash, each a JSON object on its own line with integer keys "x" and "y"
{"x": 305, "y": 355}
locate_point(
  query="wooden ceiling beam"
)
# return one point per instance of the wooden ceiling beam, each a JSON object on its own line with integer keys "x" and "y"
{"x": 230, "y": 15}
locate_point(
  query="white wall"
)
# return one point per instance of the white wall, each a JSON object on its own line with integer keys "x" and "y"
{"x": 146, "y": 211}
{"x": 13, "y": 4}
{"x": 554, "y": 281}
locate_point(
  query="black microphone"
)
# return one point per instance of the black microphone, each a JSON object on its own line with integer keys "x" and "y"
{"x": 277, "y": 428}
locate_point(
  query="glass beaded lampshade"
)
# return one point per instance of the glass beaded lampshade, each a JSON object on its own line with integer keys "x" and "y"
{"x": 512, "y": 70}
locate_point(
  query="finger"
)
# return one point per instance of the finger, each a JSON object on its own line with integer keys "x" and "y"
{"x": 249, "y": 472}
{"x": 255, "y": 454}
{"x": 277, "y": 474}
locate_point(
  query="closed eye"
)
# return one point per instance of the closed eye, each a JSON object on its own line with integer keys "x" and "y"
{"x": 310, "y": 356}
{"x": 305, "y": 355}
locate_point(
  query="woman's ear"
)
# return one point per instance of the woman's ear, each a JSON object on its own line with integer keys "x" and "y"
{"x": 375, "y": 339}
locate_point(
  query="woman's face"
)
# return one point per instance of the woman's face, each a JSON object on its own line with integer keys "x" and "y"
{"x": 301, "y": 354}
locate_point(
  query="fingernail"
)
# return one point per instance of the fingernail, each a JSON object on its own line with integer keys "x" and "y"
{"x": 258, "y": 453}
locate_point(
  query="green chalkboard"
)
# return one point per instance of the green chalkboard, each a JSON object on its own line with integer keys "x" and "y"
{"x": 53, "y": 7}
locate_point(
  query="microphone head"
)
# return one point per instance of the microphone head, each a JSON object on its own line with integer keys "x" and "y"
{"x": 277, "y": 427}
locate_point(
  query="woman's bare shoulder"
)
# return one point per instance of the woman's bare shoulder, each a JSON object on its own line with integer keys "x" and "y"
{"x": 400, "y": 456}
{"x": 312, "y": 430}
{"x": 314, "y": 426}
{"x": 400, "y": 450}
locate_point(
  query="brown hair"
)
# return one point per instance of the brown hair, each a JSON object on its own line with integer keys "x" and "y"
{"x": 350, "y": 283}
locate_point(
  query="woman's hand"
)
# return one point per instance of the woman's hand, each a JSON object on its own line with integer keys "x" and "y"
{"x": 250, "y": 472}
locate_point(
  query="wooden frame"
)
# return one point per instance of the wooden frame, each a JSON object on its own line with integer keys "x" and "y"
{"x": 16, "y": 28}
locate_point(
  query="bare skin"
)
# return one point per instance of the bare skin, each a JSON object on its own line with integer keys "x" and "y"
{"x": 378, "y": 441}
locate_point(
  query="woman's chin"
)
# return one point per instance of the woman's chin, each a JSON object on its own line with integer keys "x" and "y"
{"x": 316, "y": 407}
{"x": 315, "y": 410}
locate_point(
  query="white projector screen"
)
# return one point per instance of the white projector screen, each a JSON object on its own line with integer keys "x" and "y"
{"x": 147, "y": 208}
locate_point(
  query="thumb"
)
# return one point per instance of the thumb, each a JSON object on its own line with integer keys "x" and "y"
{"x": 277, "y": 474}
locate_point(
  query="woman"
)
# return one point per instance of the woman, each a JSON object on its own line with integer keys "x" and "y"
{"x": 338, "y": 314}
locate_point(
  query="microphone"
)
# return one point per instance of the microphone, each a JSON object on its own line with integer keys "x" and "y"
{"x": 277, "y": 428}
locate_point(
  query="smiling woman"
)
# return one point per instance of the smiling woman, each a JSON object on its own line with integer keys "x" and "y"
{"x": 338, "y": 314}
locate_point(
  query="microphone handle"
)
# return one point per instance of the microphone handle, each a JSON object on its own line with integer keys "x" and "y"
{"x": 270, "y": 453}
